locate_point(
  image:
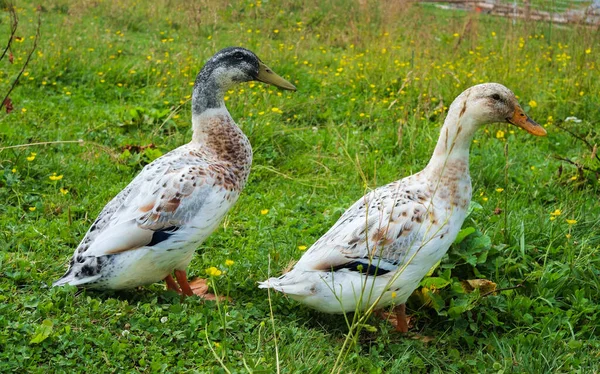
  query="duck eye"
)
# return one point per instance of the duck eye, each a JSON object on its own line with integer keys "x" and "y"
{"x": 238, "y": 55}
{"x": 496, "y": 97}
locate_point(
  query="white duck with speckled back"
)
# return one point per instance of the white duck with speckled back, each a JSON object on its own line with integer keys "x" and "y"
{"x": 384, "y": 244}
{"x": 152, "y": 228}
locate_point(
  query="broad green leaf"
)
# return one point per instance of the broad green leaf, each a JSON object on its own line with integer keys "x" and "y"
{"x": 436, "y": 301}
{"x": 42, "y": 332}
{"x": 462, "y": 234}
{"x": 433, "y": 268}
{"x": 473, "y": 206}
{"x": 435, "y": 282}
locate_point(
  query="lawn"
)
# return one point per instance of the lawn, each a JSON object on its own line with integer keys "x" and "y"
{"x": 109, "y": 87}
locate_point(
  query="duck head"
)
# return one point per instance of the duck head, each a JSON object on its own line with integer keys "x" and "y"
{"x": 492, "y": 102}
{"x": 235, "y": 65}
{"x": 228, "y": 67}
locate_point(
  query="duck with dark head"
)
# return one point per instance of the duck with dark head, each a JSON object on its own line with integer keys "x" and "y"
{"x": 152, "y": 228}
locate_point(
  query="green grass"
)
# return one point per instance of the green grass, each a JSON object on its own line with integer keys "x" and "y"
{"x": 117, "y": 74}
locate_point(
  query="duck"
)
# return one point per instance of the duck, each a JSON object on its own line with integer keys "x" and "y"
{"x": 380, "y": 249}
{"x": 150, "y": 230}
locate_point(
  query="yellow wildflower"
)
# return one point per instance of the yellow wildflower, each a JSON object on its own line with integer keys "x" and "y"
{"x": 571, "y": 221}
{"x": 229, "y": 262}
{"x": 264, "y": 211}
{"x": 555, "y": 214}
{"x": 276, "y": 110}
{"x": 55, "y": 177}
{"x": 213, "y": 271}
{"x": 499, "y": 189}
{"x": 532, "y": 104}
{"x": 14, "y": 170}
{"x": 588, "y": 51}
{"x": 31, "y": 156}
{"x": 32, "y": 209}
{"x": 64, "y": 191}
{"x": 302, "y": 247}
{"x": 500, "y": 134}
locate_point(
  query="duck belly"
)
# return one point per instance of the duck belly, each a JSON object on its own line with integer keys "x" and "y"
{"x": 142, "y": 267}
{"x": 147, "y": 265}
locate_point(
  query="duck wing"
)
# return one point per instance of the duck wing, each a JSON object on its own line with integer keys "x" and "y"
{"x": 377, "y": 234}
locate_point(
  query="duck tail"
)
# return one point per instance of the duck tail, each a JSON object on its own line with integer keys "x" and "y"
{"x": 78, "y": 274}
{"x": 290, "y": 283}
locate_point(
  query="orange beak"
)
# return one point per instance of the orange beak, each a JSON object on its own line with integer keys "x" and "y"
{"x": 522, "y": 120}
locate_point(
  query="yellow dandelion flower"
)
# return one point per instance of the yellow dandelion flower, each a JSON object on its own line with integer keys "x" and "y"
{"x": 500, "y": 134}
{"x": 394, "y": 294}
{"x": 276, "y": 110}
{"x": 571, "y": 221}
{"x": 302, "y": 247}
{"x": 64, "y": 191}
{"x": 31, "y": 156}
{"x": 213, "y": 271}
{"x": 32, "y": 209}
{"x": 55, "y": 177}
{"x": 229, "y": 262}
{"x": 568, "y": 236}
{"x": 532, "y": 104}
{"x": 588, "y": 51}
{"x": 264, "y": 211}
{"x": 557, "y": 212}
{"x": 14, "y": 170}
{"x": 499, "y": 189}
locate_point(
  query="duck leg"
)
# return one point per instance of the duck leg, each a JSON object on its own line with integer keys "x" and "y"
{"x": 397, "y": 318}
{"x": 183, "y": 283}
{"x": 401, "y": 324}
{"x": 171, "y": 284}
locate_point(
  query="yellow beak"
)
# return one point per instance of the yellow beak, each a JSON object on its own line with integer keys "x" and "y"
{"x": 266, "y": 75}
{"x": 522, "y": 120}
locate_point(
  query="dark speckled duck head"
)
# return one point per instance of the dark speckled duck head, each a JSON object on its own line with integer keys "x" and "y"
{"x": 228, "y": 67}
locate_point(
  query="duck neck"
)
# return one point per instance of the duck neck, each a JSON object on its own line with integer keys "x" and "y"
{"x": 455, "y": 138}
{"x": 208, "y": 91}
{"x": 209, "y": 113}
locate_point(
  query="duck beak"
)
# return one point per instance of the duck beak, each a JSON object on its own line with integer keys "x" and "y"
{"x": 266, "y": 75}
{"x": 519, "y": 118}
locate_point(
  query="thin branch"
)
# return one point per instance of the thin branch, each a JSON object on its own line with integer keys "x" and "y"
{"x": 105, "y": 149}
{"x": 502, "y": 289}
{"x": 35, "y": 43}
{"x": 13, "y": 28}
{"x": 80, "y": 141}
{"x": 577, "y": 136}
{"x": 577, "y": 164}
